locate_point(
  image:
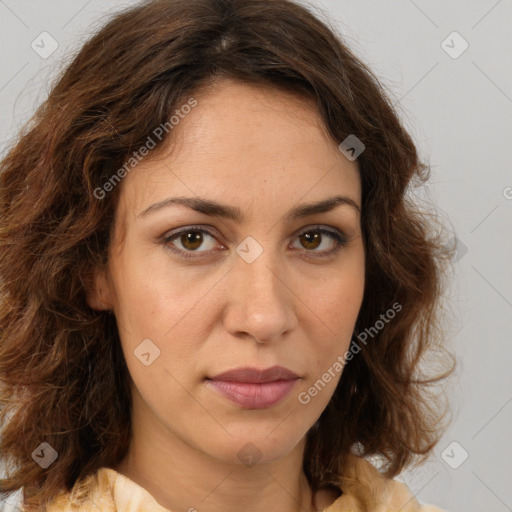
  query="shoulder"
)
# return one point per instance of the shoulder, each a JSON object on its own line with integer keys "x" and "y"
{"x": 90, "y": 494}
{"x": 105, "y": 491}
{"x": 365, "y": 489}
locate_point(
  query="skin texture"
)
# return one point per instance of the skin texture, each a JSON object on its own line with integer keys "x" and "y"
{"x": 263, "y": 151}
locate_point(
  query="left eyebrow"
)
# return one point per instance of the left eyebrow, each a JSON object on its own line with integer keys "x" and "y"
{"x": 213, "y": 208}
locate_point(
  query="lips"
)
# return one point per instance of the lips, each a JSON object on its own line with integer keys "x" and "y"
{"x": 253, "y": 388}
{"x": 256, "y": 376}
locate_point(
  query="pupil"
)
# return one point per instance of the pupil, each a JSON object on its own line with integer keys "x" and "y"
{"x": 312, "y": 240}
{"x": 192, "y": 240}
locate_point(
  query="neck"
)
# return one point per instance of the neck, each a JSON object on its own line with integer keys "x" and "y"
{"x": 182, "y": 478}
{"x": 195, "y": 482}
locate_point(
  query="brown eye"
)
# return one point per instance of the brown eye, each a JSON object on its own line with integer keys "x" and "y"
{"x": 191, "y": 240}
{"x": 311, "y": 241}
{"x": 329, "y": 241}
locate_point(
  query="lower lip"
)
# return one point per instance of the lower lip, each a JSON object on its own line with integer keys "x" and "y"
{"x": 254, "y": 396}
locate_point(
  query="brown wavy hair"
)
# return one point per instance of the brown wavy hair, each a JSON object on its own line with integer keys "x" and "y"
{"x": 63, "y": 378}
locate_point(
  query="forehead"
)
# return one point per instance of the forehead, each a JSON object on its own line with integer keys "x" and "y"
{"x": 244, "y": 142}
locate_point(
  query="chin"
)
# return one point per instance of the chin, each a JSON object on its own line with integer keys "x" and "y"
{"x": 251, "y": 448}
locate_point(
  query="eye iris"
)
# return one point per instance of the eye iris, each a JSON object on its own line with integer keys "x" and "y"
{"x": 192, "y": 240}
{"x": 312, "y": 240}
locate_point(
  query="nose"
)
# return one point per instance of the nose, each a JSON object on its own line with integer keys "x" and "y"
{"x": 261, "y": 302}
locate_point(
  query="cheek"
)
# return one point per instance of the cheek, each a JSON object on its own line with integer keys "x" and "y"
{"x": 331, "y": 332}
{"x": 335, "y": 304}
{"x": 164, "y": 307}
{"x": 158, "y": 328}
{"x": 337, "y": 299}
{"x": 151, "y": 295}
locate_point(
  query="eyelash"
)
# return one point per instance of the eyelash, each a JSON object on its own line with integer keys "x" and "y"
{"x": 338, "y": 237}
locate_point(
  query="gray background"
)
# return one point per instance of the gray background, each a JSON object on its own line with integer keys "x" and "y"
{"x": 459, "y": 112}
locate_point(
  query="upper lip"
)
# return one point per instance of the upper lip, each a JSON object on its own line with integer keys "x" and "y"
{"x": 256, "y": 375}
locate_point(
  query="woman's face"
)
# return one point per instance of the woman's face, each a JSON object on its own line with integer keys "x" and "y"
{"x": 270, "y": 286}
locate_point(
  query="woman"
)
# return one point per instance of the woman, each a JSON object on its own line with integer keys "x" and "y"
{"x": 215, "y": 293}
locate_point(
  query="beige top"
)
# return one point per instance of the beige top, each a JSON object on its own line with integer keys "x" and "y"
{"x": 364, "y": 490}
